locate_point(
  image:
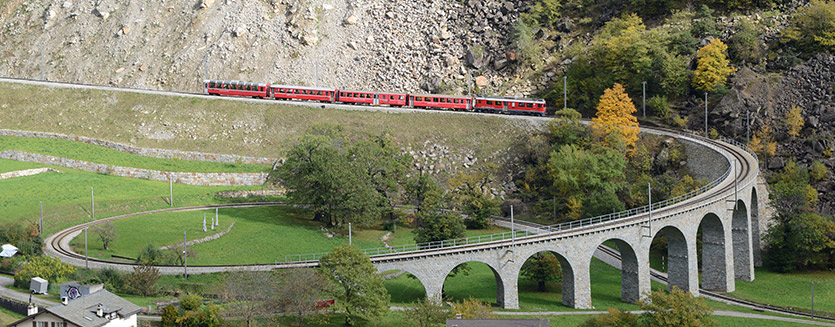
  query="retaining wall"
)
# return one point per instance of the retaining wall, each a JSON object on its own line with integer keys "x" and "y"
{"x": 201, "y": 240}
{"x": 145, "y": 152}
{"x": 25, "y": 172}
{"x": 14, "y": 306}
{"x": 202, "y": 179}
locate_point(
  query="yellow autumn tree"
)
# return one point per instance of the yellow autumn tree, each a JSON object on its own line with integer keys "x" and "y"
{"x": 763, "y": 142}
{"x": 615, "y": 122}
{"x": 794, "y": 120}
{"x": 713, "y": 67}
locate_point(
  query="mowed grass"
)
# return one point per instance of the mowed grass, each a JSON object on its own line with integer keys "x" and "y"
{"x": 790, "y": 290}
{"x": 8, "y": 317}
{"x": 102, "y": 155}
{"x": 66, "y": 196}
{"x": 7, "y": 165}
{"x": 260, "y": 235}
{"x": 227, "y": 126}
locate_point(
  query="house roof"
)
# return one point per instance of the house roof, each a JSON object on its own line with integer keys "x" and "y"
{"x": 82, "y": 311}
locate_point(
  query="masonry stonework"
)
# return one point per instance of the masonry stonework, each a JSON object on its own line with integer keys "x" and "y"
{"x": 202, "y": 179}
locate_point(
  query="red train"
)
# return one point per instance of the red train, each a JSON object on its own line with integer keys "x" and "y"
{"x": 493, "y": 104}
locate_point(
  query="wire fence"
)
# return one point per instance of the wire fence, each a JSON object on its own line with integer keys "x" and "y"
{"x": 552, "y": 228}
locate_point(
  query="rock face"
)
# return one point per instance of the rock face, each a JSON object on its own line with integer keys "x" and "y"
{"x": 395, "y": 45}
{"x": 767, "y": 99}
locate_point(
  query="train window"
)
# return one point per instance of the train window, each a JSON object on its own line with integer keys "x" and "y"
{"x": 529, "y": 105}
{"x": 401, "y": 97}
{"x": 419, "y": 99}
{"x": 434, "y": 99}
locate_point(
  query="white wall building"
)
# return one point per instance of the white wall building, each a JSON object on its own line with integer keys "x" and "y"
{"x": 99, "y": 309}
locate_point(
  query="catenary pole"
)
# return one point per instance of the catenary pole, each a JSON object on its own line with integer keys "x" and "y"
{"x": 185, "y": 257}
{"x": 645, "y": 97}
{"x": 512, "y": 228}
{"x": 170, "y": 190}
{"x": 350, "y": 241}
{"x": 86, "y": 262}
{"x": 706, "y": 114}
{"x": 40, "y": 230}
{"x": 92, "y": 204}
{"x": 565, "y": 92}
{"x": 42, "y": 61}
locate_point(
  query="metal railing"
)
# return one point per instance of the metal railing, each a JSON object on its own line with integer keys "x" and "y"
{"x": 552, "y": 228}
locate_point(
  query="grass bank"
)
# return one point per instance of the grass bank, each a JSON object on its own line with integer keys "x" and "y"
{"x": 102, "y": 155}
{"x": 7, "y": 165}
{"x": 790, "y": 290}
{"x": 66, "y": 196}
{"x": 235, "y": 127}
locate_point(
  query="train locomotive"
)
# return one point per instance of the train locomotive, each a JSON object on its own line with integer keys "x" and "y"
{"x": 494, "y": 104}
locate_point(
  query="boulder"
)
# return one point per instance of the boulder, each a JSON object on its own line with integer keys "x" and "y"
{"x": 101, "y": 14}
{"x": 207, "y": 3}
{"x": 351, "y": 20}
{"x": 482, "y": 81}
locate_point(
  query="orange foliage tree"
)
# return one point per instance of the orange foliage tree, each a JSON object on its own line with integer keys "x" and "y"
{"x": 615, "y": 123}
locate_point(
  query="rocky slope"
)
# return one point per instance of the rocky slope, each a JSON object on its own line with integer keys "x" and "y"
{"x": 769, "y": 97}
{"x": 395, "y": 45}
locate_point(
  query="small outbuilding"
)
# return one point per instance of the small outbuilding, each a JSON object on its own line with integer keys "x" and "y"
{"x": 8, "y": 251}
{"x": 38, "y": 285}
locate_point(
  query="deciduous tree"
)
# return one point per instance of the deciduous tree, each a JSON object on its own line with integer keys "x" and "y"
{"x": 248, "y": 294}
{"x": 794, "y": 121}
{"x": 713, "y": 67}
{"x": 813, "y": 27}
{"x": 542, "y": 268}
{"x": 427, "y": 313}
{"x": 473, "y": 309}
{"x": 301, "y": 290}
{"x": 142, "y": 281}
{"x": 615, "y": 122}
{"x": 676, "y": 308}
{"x": 107, "y": 234}
{"x": 46, "y": 267}
{"x": 359, "y": 290}
{"x": 469, "y": 191}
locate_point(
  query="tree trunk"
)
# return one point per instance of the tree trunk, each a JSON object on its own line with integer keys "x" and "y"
{"x": 541, "y": 286}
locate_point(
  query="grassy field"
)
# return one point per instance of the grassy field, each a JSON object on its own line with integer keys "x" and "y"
{"x": 7, "y": 165}
{"x": 66, "y": 196}
{"x": 102, "y": 155}
{"x": 260, "y": 235}
{"x": 223, "y": 126}
{"x": 8, "y": 317}
{"x": 790, "y": 290}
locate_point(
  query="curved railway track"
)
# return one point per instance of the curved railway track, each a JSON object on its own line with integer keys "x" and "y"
{"x": 58, "y": 243}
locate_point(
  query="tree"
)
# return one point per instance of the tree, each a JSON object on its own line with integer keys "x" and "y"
{"x": 762, "y": 142}
{"x": 473, "y": 309}
{"x": 150, "y": 255}
{"x": 615, "y": 122}
{"x": 301, "y": 290}
{"x": 142, "y": 281}
{"x": 46, "y": 267}
{"x": 577, "y": 172}
{"x": 427, "y": 313}
{"x": 542, "y": 268}
{"x": 818, "y": 171}
{"x": 169, "y": 316}
{"x": 107, "y": 234}
{"x": 794, "y": 121}
{"x": 744, "y": 44}
{"x": 713, "y": 67}
{"x": 343, "y": 182}
{"x": 191, "y": 302}
{"x": 206, "y": 317}
{"x": 438, "y": 225}
{"x": 248, "y": 294}
{"x": 359, "y": 290}
{"x": 813, "y": 27}
{"x": 470, "y": 193}
{"x": 676, "y": 308}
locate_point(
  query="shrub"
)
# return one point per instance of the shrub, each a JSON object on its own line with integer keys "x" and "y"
{"x": 49, "y": 268}
{"x": 473, "y": 309}
{"x": 659, "y": 105}
{"x": 744, "y": 44}
{"x": 142, "y": 281}
{"x": 814, "y": 27}
{"x": 818, "y": 171}
{"x": 191, "y": 302}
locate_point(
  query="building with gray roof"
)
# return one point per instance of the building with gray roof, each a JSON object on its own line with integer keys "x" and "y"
{"x": 98, "y": 309}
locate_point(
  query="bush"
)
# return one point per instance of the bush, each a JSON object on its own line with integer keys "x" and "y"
{"x": 818, "y": 171}
{"x": 49, "y": 268}
{"x": 142, "y": 281}
{"x": 744, "y": 44}
{"x": 191, "y": 302}
{"x": 814, "y": 27}
{"x": 169, "y": 316}
{"x": 659, "y": 106}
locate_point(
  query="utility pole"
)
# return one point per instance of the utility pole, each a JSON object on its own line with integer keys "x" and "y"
{"x": 645, "y": 97}
{"x": 171, "y": 190}
{"x": 565, "y": 92}
{"x": 469, "y": 80}
{"x": 813, "y": 299}
{"x": 706, "y": 114}
{"x": 92, "y": 204}
{"x": 349, "y": 234}
{"x": 206, "y": 66}
{"x": 217, "y": 221}
{"x": 555, "y": 208}
{"x": 40, "y": 230}
{"x": 86, "y": 262}
{"x": 747, "y": 127}
{"x": 42, "y": 61}
{"x": 512, "y": 228}
{"x": 317, "y": 72}
{"x": 185, "y": 257}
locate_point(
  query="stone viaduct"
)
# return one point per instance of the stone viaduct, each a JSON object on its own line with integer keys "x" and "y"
{"x": 726, "y": 213}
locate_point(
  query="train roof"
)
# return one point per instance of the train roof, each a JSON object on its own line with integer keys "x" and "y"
{"x": 233, "y": 81}
{"x": 498, "y": 98}
{"x": 303, "y": 87}
{"x": 375, "y": 92}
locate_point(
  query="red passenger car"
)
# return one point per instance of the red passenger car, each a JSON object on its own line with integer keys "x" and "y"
{"x": 237, "y": 88}
{"x": 437, "y": 101}
{"x": 284, "y": 92}
{"x": 356, "y": 97}
{"x": 392, "y": 99}
{"x": 510, "y": 105}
